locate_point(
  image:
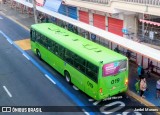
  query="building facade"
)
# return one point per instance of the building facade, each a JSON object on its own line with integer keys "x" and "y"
{"x": 138, "y": 20}
{"x": 135, "y": 19}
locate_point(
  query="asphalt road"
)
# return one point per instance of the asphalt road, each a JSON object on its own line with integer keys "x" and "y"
{"x": 28, "y": 85}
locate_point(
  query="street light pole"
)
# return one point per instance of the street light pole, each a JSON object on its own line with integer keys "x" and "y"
{"x": 34, "y": 10}
{"x": 1, "y": 5}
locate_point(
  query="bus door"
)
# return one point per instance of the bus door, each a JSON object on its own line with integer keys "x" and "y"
{"x": 91, "y": 88}
{"x": 78, "y": 79}
{"x": 79, "y": 71}
{"x": 91, "y": 81}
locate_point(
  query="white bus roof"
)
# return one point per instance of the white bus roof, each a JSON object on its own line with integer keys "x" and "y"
{"x": 133, "y": 46}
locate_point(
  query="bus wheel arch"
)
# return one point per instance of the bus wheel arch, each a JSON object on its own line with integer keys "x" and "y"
{"x": 38, "y": 53}
{"x": 67, "y": 76}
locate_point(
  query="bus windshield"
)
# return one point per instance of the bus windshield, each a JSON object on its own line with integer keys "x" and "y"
{"x": 114, "y": 68}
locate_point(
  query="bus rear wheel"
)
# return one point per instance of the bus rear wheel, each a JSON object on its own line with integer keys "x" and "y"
{"x": 38, "y": 54}
{"x": 67, "y": 76}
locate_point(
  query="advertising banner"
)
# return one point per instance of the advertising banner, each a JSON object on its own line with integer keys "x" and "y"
{"x": 110, "y": 69}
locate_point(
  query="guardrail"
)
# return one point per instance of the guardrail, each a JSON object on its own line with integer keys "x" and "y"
{"x": 145, "y": 2}
{"x": 98, "y": 1}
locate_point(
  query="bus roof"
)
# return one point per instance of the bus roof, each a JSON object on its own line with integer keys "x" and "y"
{"x": 87, "y": 49}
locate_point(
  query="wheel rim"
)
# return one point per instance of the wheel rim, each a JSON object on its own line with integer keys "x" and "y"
{"x": 38, "y": 54}
{"x": 67, "y": 78}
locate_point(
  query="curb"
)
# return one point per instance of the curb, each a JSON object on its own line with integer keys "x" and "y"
{"x": 142, "y": 101}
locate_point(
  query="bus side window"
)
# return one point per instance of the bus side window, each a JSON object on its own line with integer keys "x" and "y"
{"x": 72, "y": 55}
{"x": 52, "y": 44}
{"x": 56, "y": 49}
{"x": 49, "y": 45}
{"x": 44, "y": 41}
{"x": 68, "y": 57}
{"x": 92, "y": 71}
{"x": 61, "y": 52}
{"x": 38, "y": 37}
{"x": 79, "y": 63}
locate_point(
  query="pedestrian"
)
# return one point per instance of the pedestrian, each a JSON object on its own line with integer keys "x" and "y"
{"x": 158, "y": 88}
{"x": 150, "y": 68}
{"x": 116, "y": 49}
{"x": 140, "y": 71}
{"x": 46, "y": 19}
{"x": 143, "y": 86}
{"x": 42, "y": 18}
{"x": 137, "y": 86}
{"x": 38, "y": 17}
{"x": 128, "y": 54}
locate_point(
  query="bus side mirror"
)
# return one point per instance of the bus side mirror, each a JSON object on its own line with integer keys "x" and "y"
{"x": 31, "y": 33}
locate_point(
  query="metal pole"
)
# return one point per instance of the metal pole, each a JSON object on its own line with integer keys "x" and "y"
{"x": 143, "y": 27}
{"x": 34, "y": 10}
{"x": 1, "y": 5}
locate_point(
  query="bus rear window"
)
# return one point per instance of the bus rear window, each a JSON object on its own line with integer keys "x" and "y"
{"x": 114, "y": 68}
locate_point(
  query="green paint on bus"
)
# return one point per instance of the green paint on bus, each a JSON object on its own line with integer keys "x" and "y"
{"x": 94, "y": 69}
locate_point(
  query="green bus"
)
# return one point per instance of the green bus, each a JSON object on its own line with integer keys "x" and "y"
{"x": 94, "y": 69}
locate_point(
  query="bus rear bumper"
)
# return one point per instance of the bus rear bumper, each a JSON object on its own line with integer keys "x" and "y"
{"x": 113, "y": 93}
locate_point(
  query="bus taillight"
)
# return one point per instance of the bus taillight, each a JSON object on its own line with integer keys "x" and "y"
{"x": 100, "y": 90}
{"x": 126, "y": 82}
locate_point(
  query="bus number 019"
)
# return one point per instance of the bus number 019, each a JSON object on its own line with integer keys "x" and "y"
{"x": 115, "y": 81}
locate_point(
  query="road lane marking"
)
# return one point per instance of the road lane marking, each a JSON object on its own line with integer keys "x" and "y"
{"x": 26, "y": 56}
{"x": 24, "y": 44}
{"x": 9, "y": 41}
{"x": 85, "y": 112}
{"x": 74, "y": 87}
{"x": 10, "y": 95}
{"x": 95, "y": 103}
{"x": 90, "y": 99}
{"x": 50, "y": 79}
{"x": 43, "y": 70}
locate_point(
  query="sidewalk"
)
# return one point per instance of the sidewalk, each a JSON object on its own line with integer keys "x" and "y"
{"x": 25, "y": 21}
{"x": 22, "y": 19}
{"x": 150, "y": 95}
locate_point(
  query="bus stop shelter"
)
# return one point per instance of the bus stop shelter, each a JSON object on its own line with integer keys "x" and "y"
{"x": 142, "y": 52}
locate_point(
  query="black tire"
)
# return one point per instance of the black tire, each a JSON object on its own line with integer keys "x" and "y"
{"x": 38, "y": 54}
{"x": 67, "y": 76}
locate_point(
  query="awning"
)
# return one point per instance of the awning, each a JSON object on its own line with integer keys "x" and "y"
{"x": 89, "y": 5}
{"x": 150, "y": 22}
{"x": 39, "y": 2}
{"x": 133, "y": 46}
{"x": 52, "y": 5}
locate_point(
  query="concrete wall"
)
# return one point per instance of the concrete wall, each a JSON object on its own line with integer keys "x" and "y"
{"x": 130, "y": 24}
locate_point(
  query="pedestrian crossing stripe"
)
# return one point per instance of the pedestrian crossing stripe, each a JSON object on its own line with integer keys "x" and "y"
{"x": 23, "y": 44}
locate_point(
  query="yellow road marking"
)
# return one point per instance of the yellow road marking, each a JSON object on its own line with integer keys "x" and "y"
{"x": 24, "y": 44}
